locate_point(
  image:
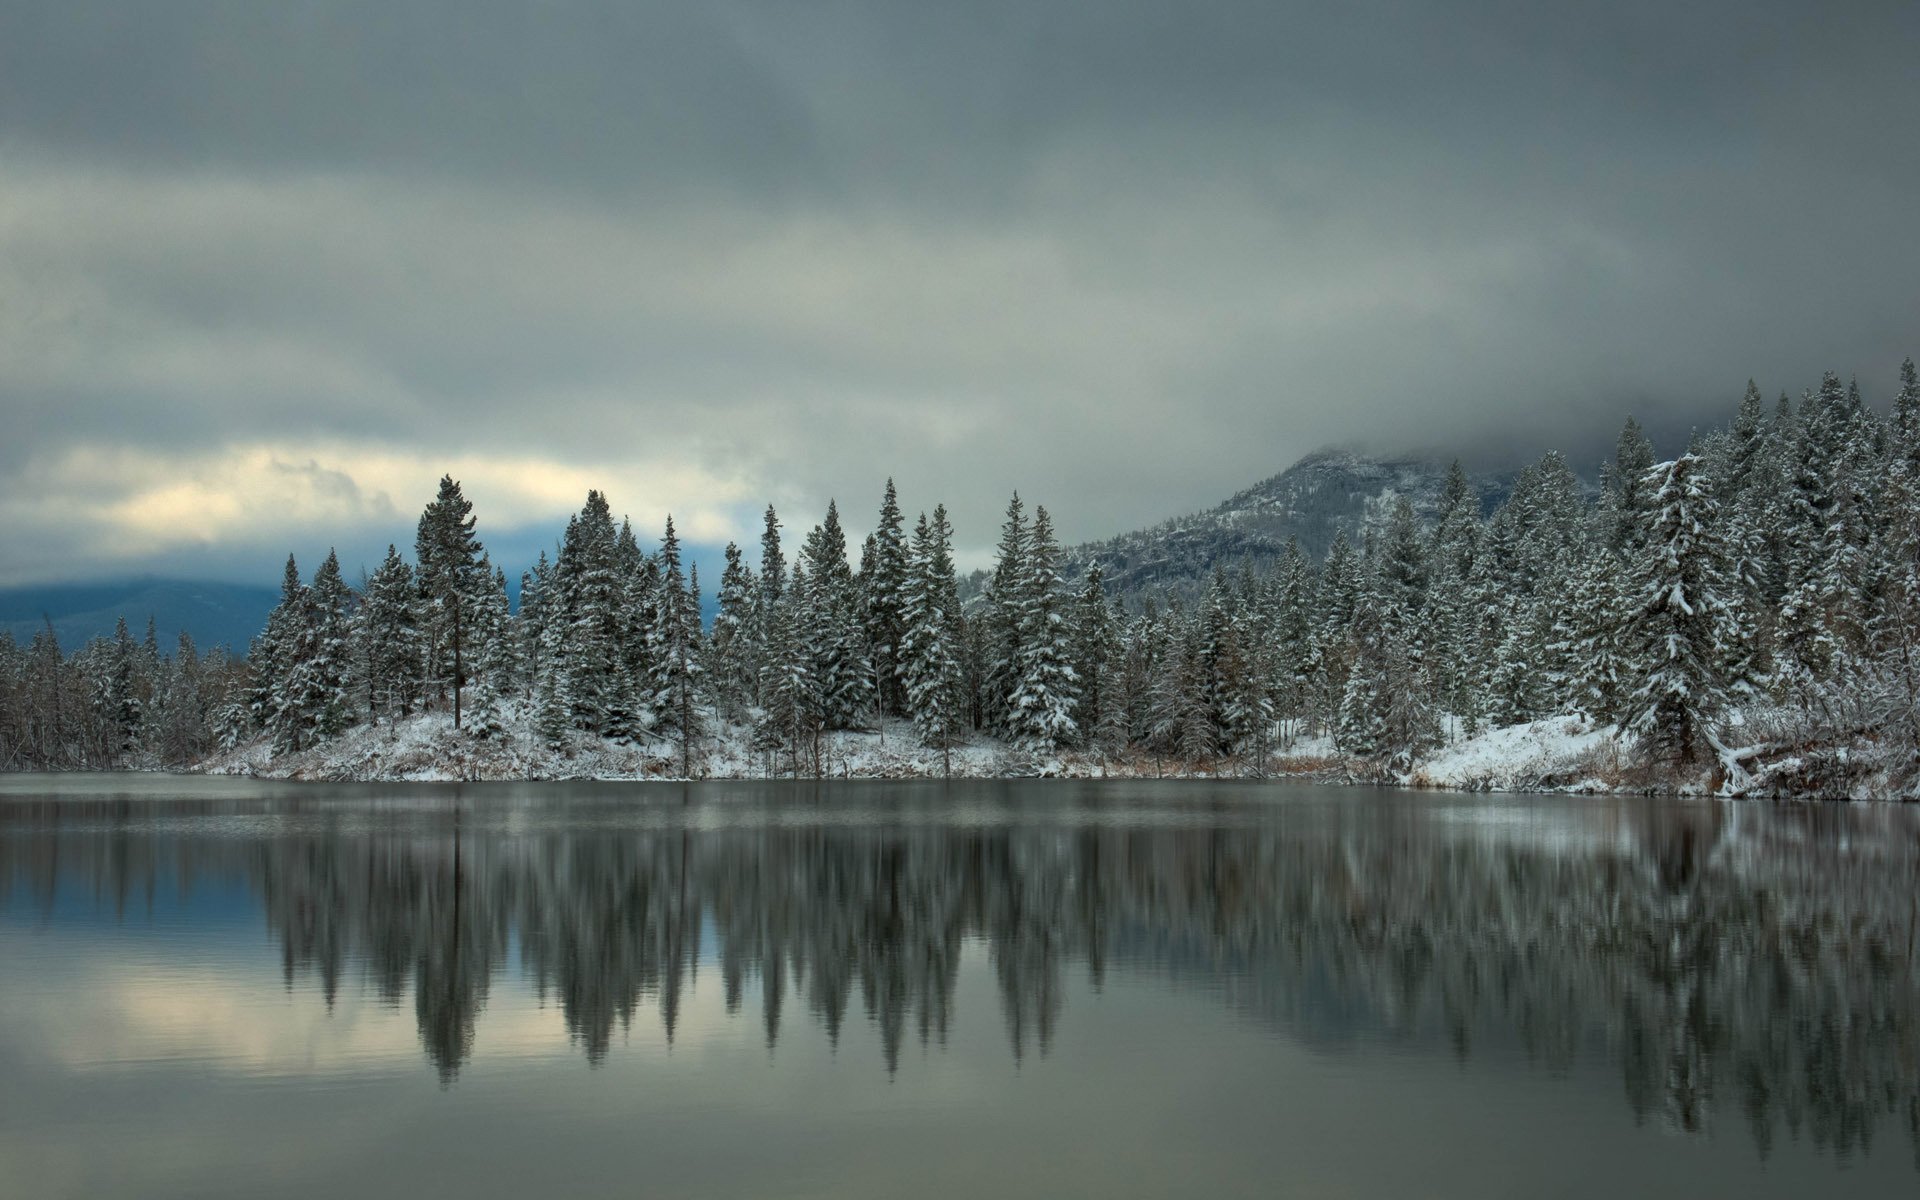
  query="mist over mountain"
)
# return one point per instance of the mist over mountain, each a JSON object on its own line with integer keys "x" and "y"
{"x": 1328, "y": 492}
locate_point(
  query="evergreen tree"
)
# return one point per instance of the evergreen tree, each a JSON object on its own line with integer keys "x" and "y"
{"x": 275, "y": 658}
{"x": 1096, "y": 641}
{"x": 1633, "y": 458}
{"x": 387, "y": 639}
{"x": 885, "y": 585}
{"x": 732, "y": 644}
{"x": 1681, "y": 625}
{"x": 1001, "y": 620}
{"x": 449, "y": 578}
{"x": 677, "y": 671}
{"x": 1046, "y": 690}
{"x": 931, "y": 642}
{"x": 325, "y": 659}
{"x": 842, "y": 671}
{"x": 495, "y": 658}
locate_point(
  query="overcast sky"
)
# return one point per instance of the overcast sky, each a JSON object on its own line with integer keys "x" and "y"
{"x": 268, "y": 269}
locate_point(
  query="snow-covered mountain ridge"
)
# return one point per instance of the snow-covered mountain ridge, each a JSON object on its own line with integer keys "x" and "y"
{"x": 1327, "y": 492}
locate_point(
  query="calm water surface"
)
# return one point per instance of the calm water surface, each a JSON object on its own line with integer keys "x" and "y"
{"x": 233, "y": 988}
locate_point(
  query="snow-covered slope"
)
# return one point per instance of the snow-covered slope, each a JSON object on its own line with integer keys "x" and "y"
{"x": 1313, "y": 500}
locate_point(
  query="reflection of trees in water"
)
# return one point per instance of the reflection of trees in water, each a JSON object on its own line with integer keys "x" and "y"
{"x": 1758, "y": 958}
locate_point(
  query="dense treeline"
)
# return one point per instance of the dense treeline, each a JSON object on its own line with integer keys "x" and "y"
{"x": 1764, "y": 585}
{"x": 117, "y": 701}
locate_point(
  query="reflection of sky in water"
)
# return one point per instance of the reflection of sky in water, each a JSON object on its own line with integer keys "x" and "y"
{"x": 1341, "y": 993}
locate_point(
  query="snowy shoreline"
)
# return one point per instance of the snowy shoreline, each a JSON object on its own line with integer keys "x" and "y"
{"x": 1557, "y": 755}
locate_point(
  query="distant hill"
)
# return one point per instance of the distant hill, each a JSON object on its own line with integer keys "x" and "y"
{"x": 214, "y": 613}
{"x": 1314, "y": 499}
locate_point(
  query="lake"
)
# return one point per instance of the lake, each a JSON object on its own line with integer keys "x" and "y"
{"x": 222, "y": 987}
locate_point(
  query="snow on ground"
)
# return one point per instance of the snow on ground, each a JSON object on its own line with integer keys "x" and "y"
{"x": 1562, "y": 753}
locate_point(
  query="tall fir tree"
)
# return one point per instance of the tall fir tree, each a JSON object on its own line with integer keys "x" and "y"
{"x": 449, "y": 577}
{"x": 1045, "y": 691}
{"x": 931, "y": 644}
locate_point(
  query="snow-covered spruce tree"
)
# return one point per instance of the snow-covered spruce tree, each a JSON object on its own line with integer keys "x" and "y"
{"x": 1046, "y": 690}
{"x": 553, "y": 705}
{"x": 536, "y": 600}
{"x": 118, "y": 695}
{"x": 324, "y": 663}
{"x": 386, "y": 638}
{"x": 843, "y": 673}
{"x": 495, "y": 656}
{"x": 1682, "y": 623}
{"x": 790, "y": 694}
{"x": 274, "y": 657}
{"x": 1385, "y": 711}
{"x": 1200, "y": 738}
{"x": 999, "y": 621}
{"x": 1240, "y": 700}
{"x": 588, "y": 620}
{"x": 884, "y": 586}
{"x": 1096, "y": 639}
{"x": 449, "y": 577}
{"x": 1623, "y": 483}
{"x": 1163, "y": 640}
{"x": 632, "y": 712}
{"x": 730, "y": 655}
{"x": 1341, "y": 581}
{"x": 1822, "y": 618}
{"x": 1400, "y": 581}
{"x": 1289, "y": 641}
{"x": 930, "y": 647}
{"x": 1518, "y": 687}
{"x": 773, "y": 581}
{"x": 1592, "y": 670}
{"x": 677, "y": 670}
{"x": 1455, "y": 546}
{"x": 183, "y": 733}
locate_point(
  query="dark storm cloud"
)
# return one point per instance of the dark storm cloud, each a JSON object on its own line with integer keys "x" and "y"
{"x": 1125, "y": 256}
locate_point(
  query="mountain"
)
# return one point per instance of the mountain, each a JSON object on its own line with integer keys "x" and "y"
{"x": 214, "y": 613}
{"x": 1325, "y": 492}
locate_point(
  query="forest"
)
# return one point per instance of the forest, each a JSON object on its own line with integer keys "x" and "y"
{"x": 1753, "y": 598}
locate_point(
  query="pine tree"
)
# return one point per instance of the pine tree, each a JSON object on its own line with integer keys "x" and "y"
{"x": 537, "y": 600}
{"x": 387, "y": 640}
{"x": 495, "y": 658}
{"x": 1681, "y": 624}
{"x": 1046, "y": 690}
{"x": 632, "y": 708}
{"x": 773, "y": 580}
{"x": 120, "y": 703}
{"x": 677, "y": 671}
{"x": 931, "y": 642}
{"x": 275, "y": 659}
{"x": 884, "y": 582}
{"x": 1096, "y": 641}
{"x": 731, "y": 648}
{"x": 589, "y": 620}
{"x": 1453, "y": 656}
{"x": 449, "y": 578}
{"x": 1241, "y": 704}
{"x": 1633, "y": 458}
{"x": 842, "y": 671}
{"x": 791, "y": 699}
{"x": 1290, "y": 660}
{"x": 326, "y": 658}
{"x": 1000, "y": 622}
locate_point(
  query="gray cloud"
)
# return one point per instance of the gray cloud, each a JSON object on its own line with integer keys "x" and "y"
{"x": 1126, "y": 257}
